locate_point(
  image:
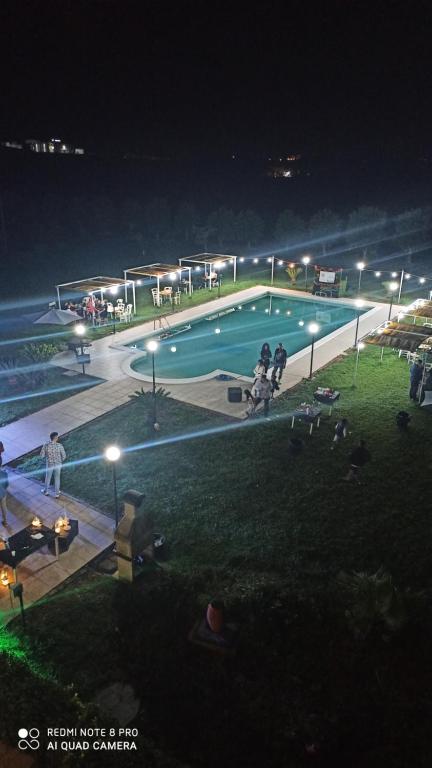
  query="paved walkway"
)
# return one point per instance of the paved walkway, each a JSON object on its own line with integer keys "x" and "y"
{"x": 41, "y": 572}
{"x": 110, "y": 361}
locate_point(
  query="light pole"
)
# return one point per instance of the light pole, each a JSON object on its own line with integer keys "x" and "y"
{"x": 360, "y": 345}
{"x": 313, "y": 328}
{"x": 80, "y": 331}
{"x": 393, "y": 288}
{"x": 152, "y": 346}
{"x": 360, "y": 266}
{"x": 112, "y": 454}
{"x": 306, "y": 261}
{"x": 359, "y": 304}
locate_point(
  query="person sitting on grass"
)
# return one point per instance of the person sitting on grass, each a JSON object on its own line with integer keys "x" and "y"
{"x": 358, "y": 458}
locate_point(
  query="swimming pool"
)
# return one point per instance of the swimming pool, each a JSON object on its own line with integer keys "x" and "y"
{"x": 231, "y": 340}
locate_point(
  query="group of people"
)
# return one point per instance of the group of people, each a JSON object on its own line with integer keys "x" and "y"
{"x": 54, "y": 455}
{"x": 90, "y": 308}
{"x": 263, "y": 388}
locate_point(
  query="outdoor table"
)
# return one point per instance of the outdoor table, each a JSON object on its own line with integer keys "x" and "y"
{"x": 64, "y": 538}
{"x": 22, "y": 544}
{"x": 309, "y": 414}
{"x": 329, "y": 399}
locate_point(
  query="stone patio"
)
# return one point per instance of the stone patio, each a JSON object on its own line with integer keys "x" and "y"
{"x": 41, "y": 572}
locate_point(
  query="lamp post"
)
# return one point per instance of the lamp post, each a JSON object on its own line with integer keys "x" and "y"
{"x": 360, "y": 266}
{"x": 112, "y": 454}
{"x": 80, "y": 331}
{"x": 152, "y": 346}
{"x": 393, "y": 288}
{"x": 359, "y": 304}
{"x": 313, "y": 328}
{"x": 306, "y": 261}
{"x": 360, "y": 345}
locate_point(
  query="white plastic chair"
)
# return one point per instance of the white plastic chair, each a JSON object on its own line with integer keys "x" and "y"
{"x": 157, "y": 300}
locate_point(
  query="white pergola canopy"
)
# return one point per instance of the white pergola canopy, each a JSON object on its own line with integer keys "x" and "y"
{"x": 99, "y": 284}
{"x": 158, "y": 272}
{"x": 211, "y": 261}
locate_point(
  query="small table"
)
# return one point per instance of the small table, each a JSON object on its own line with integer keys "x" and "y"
{"x": 310, "y": 415}
{"x": 329, "y": 399}
{"x": 64, "y": 538}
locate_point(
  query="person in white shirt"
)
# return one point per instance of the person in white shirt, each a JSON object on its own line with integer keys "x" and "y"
{"x": 54, "y": 455}
{"x": 263, "y": 392}
{"x": 259, "y": 370}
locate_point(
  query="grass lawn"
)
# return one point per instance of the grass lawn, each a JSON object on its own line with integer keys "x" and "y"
{"x": 16, "y": 403}
{"x": 269, "y": 533}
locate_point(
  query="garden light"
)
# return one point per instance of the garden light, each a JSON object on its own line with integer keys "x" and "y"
{"x": 152, "y": 346}
{"x": 112, "y": 453}
{"x": 80, "y": 329}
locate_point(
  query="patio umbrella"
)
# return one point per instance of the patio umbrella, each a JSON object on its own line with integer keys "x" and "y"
{"x": 57, "y": 317}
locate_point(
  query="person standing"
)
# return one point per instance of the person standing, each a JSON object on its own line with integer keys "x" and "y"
{"x": 263, "y": 393}
{"x": 54, "y": 455}
{"x": 259, "y": 370}
{"x": 341, "y": 431}
{"x": 266, "y": 355}
{"x": 416, "y": 374}
{"x": 279, "y": 361}
{"x": 358, "y": 458}
{"x": 4, "y": 483}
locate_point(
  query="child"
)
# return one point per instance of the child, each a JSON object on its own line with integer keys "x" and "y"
{"x": 341, "y": 431}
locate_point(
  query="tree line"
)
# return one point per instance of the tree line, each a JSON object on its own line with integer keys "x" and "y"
{"x": 158, "y": 225}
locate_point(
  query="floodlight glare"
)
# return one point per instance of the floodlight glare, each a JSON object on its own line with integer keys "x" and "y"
{"x": 360, "y": 265}
{"x": 80, "y": 329}
{"x": 359, "y": 303}
{"x": 112, "y": 453}
{"x": 313, "y": 328}
{"x": 152, "y": 346}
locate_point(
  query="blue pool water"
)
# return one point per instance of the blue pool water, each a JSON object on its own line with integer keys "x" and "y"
{"x": 200, "y": 350}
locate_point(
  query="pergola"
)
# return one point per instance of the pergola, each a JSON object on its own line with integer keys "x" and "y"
{"x": 401, "y": 336}
{"x": 159, "y": 272}
{"x": 99, "y": 284}
{"x": 211, "y": 260}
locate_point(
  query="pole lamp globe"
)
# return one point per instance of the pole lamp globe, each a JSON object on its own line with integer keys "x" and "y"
{"x": 313, "y": 329}
{"x": 112, "y": 454}
{"x": 80, "y": 329}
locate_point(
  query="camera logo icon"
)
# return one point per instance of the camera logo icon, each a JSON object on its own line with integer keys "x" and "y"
{"x": 28, "y": 739}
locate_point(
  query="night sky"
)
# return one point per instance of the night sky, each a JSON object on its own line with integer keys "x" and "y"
{"x": 188, "y": 77}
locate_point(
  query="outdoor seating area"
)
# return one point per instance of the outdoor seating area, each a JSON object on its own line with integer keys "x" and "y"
{"x": 97, "y": 304}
